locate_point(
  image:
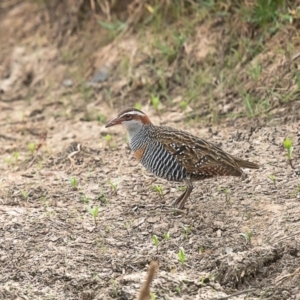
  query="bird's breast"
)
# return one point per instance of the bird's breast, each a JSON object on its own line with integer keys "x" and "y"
{"x": 139, "y": 153}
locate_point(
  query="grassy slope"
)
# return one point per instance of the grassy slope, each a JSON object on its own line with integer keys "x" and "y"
{"x": 231, "y": 58}
{"x": 217, "y": 58}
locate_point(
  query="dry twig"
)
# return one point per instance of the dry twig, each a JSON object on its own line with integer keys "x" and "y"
{"x": 145, "y": 290}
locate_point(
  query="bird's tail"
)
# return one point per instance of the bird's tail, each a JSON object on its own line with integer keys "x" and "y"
{"x": 246, "y": 164}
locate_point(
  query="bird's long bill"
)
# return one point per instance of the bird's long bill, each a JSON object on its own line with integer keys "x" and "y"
{"x": 113, "y": 122}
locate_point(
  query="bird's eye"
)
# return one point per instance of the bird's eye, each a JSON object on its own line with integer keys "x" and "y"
{"x": 127, "y": 117}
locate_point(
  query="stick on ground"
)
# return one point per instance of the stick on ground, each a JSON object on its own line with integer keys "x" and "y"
{"x": 145, "y": 290}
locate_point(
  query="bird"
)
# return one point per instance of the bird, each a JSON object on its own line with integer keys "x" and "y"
{"x": 176, "y": 155}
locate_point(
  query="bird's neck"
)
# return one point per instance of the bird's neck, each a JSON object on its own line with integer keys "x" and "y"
{"x": 138, "y": 136}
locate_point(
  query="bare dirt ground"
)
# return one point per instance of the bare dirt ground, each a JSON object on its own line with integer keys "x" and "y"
{"x": 50, "y": 246}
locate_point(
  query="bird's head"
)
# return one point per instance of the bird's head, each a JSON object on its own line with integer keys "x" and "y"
{"x": 131, "y": 118}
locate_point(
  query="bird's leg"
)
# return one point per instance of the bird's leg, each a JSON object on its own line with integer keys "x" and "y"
{"x": 185, "y": 195}
{"x": 180, "y": 201}
{"x": 177, "y": 200}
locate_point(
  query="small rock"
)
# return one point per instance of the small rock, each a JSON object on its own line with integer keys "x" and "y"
{"x": 67, "y": 82}
{"x": 257, "y": 188}
{"x": 100, "y": 76}
{"x": 153, "y": 219}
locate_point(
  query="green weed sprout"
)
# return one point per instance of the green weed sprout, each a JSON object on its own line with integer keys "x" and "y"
{"x": 102, "y": 198}
{"x": 273, "y": 179}
{"x": 183, "y": 105}
{"x": 85, "y": 199}
{"x": 247, "y": 235}
{"x": 108, "y": 137}
{"x": 255, "y": 71}
{"x": 226, "y": 191}
{"x": 16, "y": 156}
{"x": 167, "y": 236}
{"x": 155, "y": 102}
{"x": 138, "y": 106}
{"x": 288, "y": 145}
{"x": 109, "y": 140}
{"x": 155, "y": 240}
{"x": 24, "y": 194}
{"x": 8, "y": 161}
{"x": 227, "y": 194}
{"x": 158, "y": 189}
{"x": 153, "y": 297}
{"x": 101, "y": 118}
{"x": 94, "y": 212}
{"x": 114, "y": 186}
{"x": 181, "y": 256}
{"x": 181, "y": 188}
{"x": 187, "y": 231}
{"x": 31, "y": 147}
{"x": 74, "y": 182}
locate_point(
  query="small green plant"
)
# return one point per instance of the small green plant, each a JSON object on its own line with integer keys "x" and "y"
{"x": 226, "y": 191}
{"x": 247, "y": 235}
{"x": 85, "y": 199}
{"x": 16, "y": 156}
{"x": 250, "y": 104}
{"x": 201, "y": 250}
{"x": 178, "y": 290}
{"x": 155, "y": 102}
{"x": 183, "y": 105}
{"x": 109, "y": 140}
{"x": 265, "y": 12}
{"x": 158, "y": 189}
{"x": 107, "y": 137}
{"x": 101, "y": 118}
{"x": 288, "y": 145}
{"x": 94, "y": 212}
{"x": 102, "y": 198}
{"x": 114, "y": 186}
{"x": 167, "y": 236}
{"x": 116, "y": 26}
{"x": 187, "y": 231}
{"x": 8, "y": 161}
{"x": 181, "y": 256}
{"x": 273, "y": 179}
{"x": 115, "y": 288}
{"x": 153, "y": 297}
{"x": 74, "y": 182}
{"x": 24, "y": 194}
{"x": 227, "y": 194}
{"x": 31, "y": 147}
{"x": 45, "y": 202}
{"x": 155, "y": 240}
{"x": 181, "y": 188}
{"x": 255, "y": 71}
{"x": 127, "y": 225}
{"x": 138, "y": 106}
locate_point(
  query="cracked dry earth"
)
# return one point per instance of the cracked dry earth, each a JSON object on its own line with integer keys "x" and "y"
{"x": 50, "y": 247}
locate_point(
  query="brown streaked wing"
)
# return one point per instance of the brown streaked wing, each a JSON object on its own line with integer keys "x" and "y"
{"x": 200, "y": 158}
